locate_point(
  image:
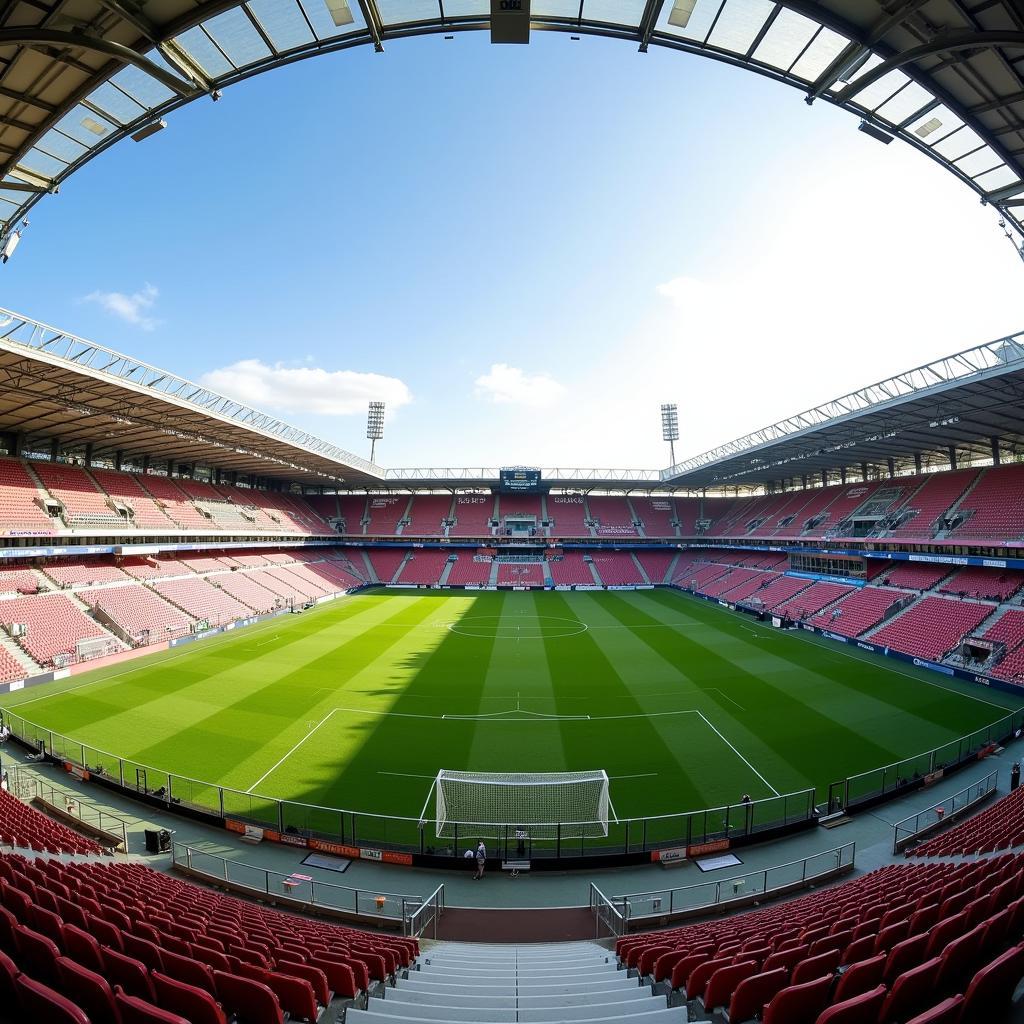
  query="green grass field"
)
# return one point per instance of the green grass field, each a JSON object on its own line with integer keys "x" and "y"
{"x": 357, "y": 704}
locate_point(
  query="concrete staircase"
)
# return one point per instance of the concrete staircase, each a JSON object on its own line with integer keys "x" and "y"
{"x": 12, "y": 647}
{"x": 495, "y": 984}
{"x": 640, "y": 569}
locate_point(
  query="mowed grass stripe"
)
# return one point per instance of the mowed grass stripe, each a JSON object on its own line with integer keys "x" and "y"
{"x": 622, "y": 746}
{"x": 799, "y": 738}
{"x": 830, "y": 683}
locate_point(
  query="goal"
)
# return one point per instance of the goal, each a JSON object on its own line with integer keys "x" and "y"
{"x": 542, "y": 805}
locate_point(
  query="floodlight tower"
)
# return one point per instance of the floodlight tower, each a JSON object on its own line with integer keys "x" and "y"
{"x": 670, "y": 429}
{"x": 375, "y": 425}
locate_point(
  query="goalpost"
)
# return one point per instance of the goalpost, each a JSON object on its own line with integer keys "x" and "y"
{"x": 542, "y": 805}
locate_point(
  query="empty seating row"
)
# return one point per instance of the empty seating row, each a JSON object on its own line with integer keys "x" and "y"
{"x": 25, "y": 827}
{"x": 933, "y": 626}
{"x": 997, "y": 827}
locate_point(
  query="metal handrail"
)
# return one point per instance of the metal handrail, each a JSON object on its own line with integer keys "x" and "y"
{"x": 605, "y": 912}
{"x": 668, "y": 901}
{"x": 947, "y": 810}
{"x": 412, "y": 926}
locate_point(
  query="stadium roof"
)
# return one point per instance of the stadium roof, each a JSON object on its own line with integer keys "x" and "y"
{"x": 76, "y": 76}
{"x": 960, "y": 402}
{"x": 54, "y": 385}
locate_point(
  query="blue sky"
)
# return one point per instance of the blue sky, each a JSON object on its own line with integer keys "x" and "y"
{"x": 524, "y": 250}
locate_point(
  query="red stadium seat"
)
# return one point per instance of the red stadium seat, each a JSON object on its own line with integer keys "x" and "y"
{"x": 946, "y": 1012}
{"x": 860, "y": 977}
{"x": 862, "y": 1009}
{"x": 752, "y": 993}
{"x": 799, "y": 1004}
{"x": 138, "y": 1011}
{"x": 190, "y": 1001}
{"x": 250, "y": 1000}
{"x": 42, "y": 1005}
{"x": 89, "y": 990}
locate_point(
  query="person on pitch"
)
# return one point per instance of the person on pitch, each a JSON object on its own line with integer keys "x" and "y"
{"x": 481, "y": 860}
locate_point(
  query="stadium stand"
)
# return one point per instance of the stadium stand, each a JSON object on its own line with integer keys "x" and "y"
{"x": 744, "y": 592}
{"x": 571, "y": 570}
{"x": 202, "y": 600}
{"x": 21, "y": 507}
{"x": 847, "y": 500}
{"x": 811, "y": 601}
{"x": 137, "y": 614}
{"x": 352, "y": 509}
{"x": 246, "y": 588}
{"x": 617, "y": 569}
{"x": 860, "y": 611}
{"x": 817, "y": 501}
{"x": 657, "y": 515}
{"x": 24, "y": 827}
{"x": 568, "y": 513}
{"x": 428, "y": 514}
{"x": 898, "y": 941}
{"x": 984, "y": 583}
{"x": 78, "y": 572}
{"x": 473, "y": 514}
{"x": 688, "y": 512}
{"x": 923, "y": 510}
{"x": 83, "y": 503}
{"x": 914, "y": 576}
{"x": 53, "y": 626}
{"x": 932, "y": 626}
{"x": 998, "y": 827}
{"x": 10, "y": 667}
{"x": 656, "y": 564}
{"x": 467, "y": 571}
{"x": 152, "y": 567}
{"x": 521, "y": 507}
{"x": 520, "y": 574}
{"x": 18, "y": 579}
{"x": 385, "y": 562}
{"x": 324, "y": 505}
{"x": 142, "y": 946}
{"x": 424, "y": 567}
{"x": 779, "y": 591}
{"x": 174, "y": 502}
{"x": 993, "y": 509}
{"x": 386, "y": 512}
{"x": 733, "y": 578}
{"x": 613, "y": 516}
{"x": 125, "y": 490}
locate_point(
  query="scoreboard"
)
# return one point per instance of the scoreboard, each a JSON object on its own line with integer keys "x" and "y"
{"x": 519, "y": 481}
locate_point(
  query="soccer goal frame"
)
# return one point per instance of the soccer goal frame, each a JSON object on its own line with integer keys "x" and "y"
{"x": 530, "y": 805}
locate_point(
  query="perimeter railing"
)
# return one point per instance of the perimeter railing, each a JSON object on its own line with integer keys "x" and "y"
{"x": 369, "y": 904}
{"x": 942, "y": 812}
{"x": 608, "y": 919}
{"x": 779, "y": 878}
{"x": 314, "y": 824}
{"x": 426, "y": 915}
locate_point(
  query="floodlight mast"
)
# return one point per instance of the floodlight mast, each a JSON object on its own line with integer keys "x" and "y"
{"x": 670, "y": 429}
{"x": 375, "y": 425}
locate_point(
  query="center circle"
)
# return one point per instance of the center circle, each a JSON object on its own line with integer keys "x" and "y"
{"x": 526, "y": 627}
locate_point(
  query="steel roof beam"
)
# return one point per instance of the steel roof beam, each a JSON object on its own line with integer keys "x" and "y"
{"x": 42, "y": 37}
{"x": 371, "y": 15}
{"x": 648, "y": 21}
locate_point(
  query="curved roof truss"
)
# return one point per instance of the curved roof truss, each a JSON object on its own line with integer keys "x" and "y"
{"x": 946, "y": 76}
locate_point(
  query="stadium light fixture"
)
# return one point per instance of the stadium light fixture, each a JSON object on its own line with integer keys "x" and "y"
{"x": 670, "y": 428}
{"x": 10, "y": 243}
{"x": 681, "y": 12}
{"x": 875, "y": 133}
{"x": 340, "y": 12}
{"x": 375, "y": 425}
{"x": 148, "y": 130}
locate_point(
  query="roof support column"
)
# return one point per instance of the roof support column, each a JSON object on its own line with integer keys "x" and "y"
{"x": 54, "y": 448}
{"x": 891, "y": 466}
{"x": 824, "y": 478}
{"x": 864, "y": 471}
{"x": 145, "y": 464}
{"x": 803, "y": 481}
{"x": 88, "y": 454}
{"x": 952, "y": 456}
{"x": 842, "y": 474}
{"x": 917, "y": 463}
{"x": 118, "y": 460}
{"x": 995, "y": 451}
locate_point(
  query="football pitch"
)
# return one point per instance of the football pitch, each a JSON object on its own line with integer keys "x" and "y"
{"x": 357, "y": 704}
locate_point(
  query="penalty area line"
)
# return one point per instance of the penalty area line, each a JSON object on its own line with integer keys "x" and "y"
{"x": 292, "y": 751}
{"x": 739, "y": 755}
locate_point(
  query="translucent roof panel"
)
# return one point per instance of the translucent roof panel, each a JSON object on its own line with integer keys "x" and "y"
{"x": 397, "y": 12}
{"x": 284, "y": 24}
{"x": 824, "y": 48}
{"x": 115, "y": 104}
{"x": 614, "y": 12}
{"x": 43, "y": 164}
{"x": 786, "y": 40}
{"x": 85, "y": 126}
{"x": 981, "y": 160}
{"x": 323, "y": 23}
{"x": 907, "y": 102}
{"x": 698, "y": 18}
{"x": 237, "y": 37}
{"x": 143, "y": 88}
{"x": 739, "y": 24}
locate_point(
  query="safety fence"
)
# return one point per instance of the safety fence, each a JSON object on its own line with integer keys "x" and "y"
{"x": 944, "y": 811}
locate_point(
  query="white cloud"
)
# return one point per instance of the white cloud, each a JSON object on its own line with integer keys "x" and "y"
{"x": 306, "y": 389}
{"x": 133, "y": 309}
{"x": 508, "y": 385}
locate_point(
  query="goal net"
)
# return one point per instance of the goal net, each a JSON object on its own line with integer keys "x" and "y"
{"x": 541, "y": 805}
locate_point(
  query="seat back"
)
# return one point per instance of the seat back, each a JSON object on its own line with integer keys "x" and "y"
{"x": 958, "y": 961}
{"x": 698, "y": 979}
{"x": 133, "y": 1010}
{"x": 8, "y": 975}
{"x": 752, "y": 993}
{"x": 798, "y": 1004}
{"x": 340, "y": 977}
{"x": 295, "y": 995}
{"x": 88, "y": 990}
{"x": 313, "y": 975}
{"x": 191, "y": 1002}
{"x": 42, "y": 1005}
{"x": 911, "y": 990}
{"x": 786, "y": 958}
{"x": 188, "y": 970}
{"x": 815, "y": 967}
{"x": 860, "y": 977}
{"x": 127, "y": 972}
{"x": 904, "y": 955}
{"x": 143, "y": 950}
{"x": 36, "y": 954}
{"x": 248, "y": 999}
{"x": 723, "y": 982}
{"x": 683, "y": 968}
{"x": 991, "y": 989}
{"x": 862, "y": 1009}
{"x": 946, "y": 1012}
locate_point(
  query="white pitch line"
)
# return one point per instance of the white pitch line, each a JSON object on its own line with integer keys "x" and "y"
{"x": 740, "y": 756}
{"x": 292, "y": 751}
{"x": 726, "y": 696}
{"x": 263, "y": 643}
{"x": 642, "y": 775}
{"x": 407, "y": 775}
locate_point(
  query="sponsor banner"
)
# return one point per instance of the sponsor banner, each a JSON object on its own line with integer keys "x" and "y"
{"x": 562, "y": 586}
{"x": 836, "y": 636}
{"x": 644, "y": 586}
{"x": 77, "y": 771}
{"x": 235, "y": 826}
{"x": 623, "y": 586}
{"x": 18, "y": 684}
{"x": 866, "y": 646}
{"x": 810, "y": 629}
{"x": 594, "y": 586}
{"x": 776, "y": 622}
{"x": 715, "y": 846}
{"x": 670, "y": 856}
{"x": 388, "y": 857}
{"x": 404, "y": 586}
{"x": 932, "y": 777}
{"x": 62, "y": 673}
{"x": 253, "y": 834}
{"x": 850, "y": 581}
{"x": 335, "y": 849}
{"x": 370, "y": 854}
{"x": 907, "y": 556}
{"x": 290, "y": 839}
{"x": 921, "y": 663}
